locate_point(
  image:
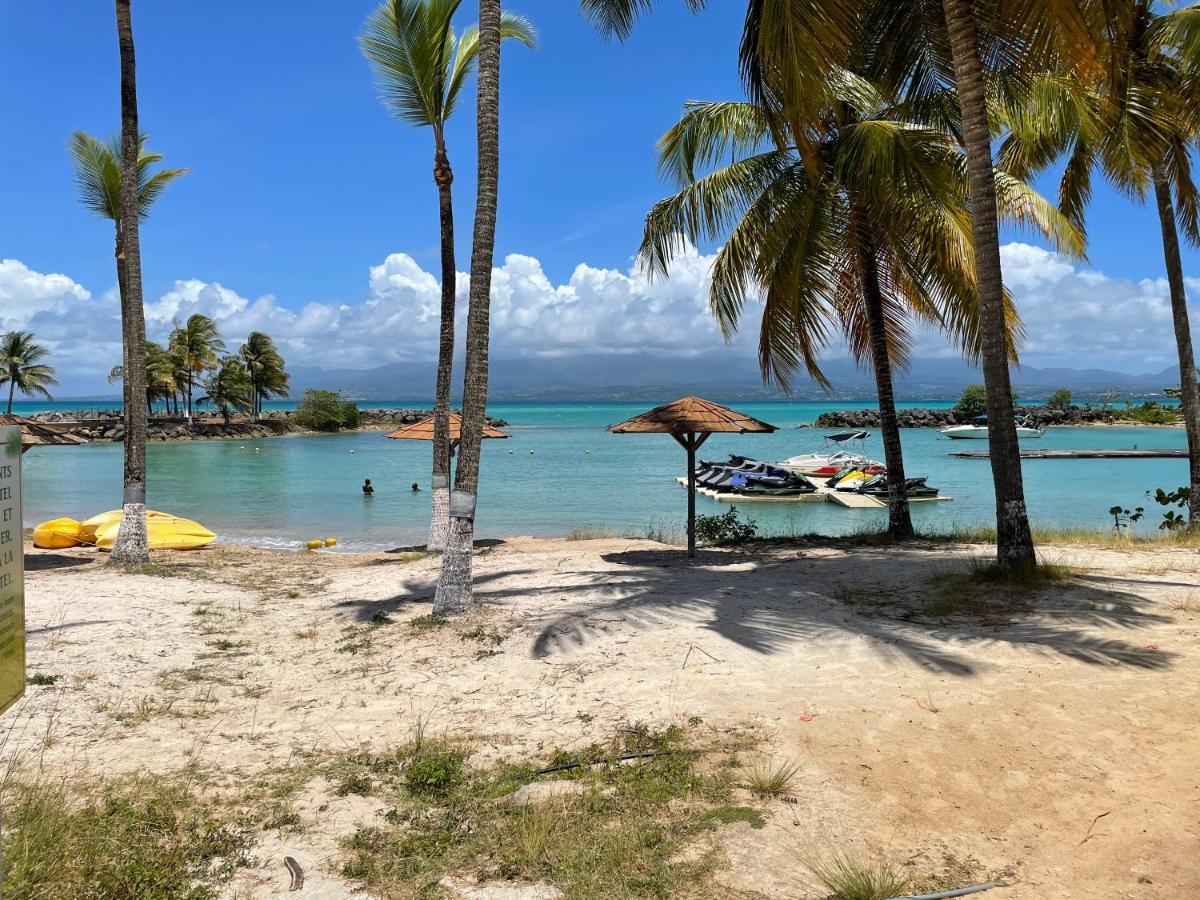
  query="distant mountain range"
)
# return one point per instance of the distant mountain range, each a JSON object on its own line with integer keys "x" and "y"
{"x": 725, "y": 376}
{"x": 645, "y": 377}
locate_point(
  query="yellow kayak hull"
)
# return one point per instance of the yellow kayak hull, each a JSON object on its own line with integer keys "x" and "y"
{"x": 163, "y": 532}
{"x": 57, "y": 534}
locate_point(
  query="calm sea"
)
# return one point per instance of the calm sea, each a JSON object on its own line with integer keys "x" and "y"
{"x": 558, "y": 471}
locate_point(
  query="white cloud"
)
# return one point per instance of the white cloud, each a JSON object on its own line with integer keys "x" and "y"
{"x": 1074, "y": 317}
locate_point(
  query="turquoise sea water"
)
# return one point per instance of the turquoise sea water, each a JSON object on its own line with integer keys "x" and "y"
{"x": 544, "y": 481}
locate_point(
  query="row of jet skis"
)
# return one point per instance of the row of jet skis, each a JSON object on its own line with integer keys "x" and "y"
{"x": 835, "y": 467}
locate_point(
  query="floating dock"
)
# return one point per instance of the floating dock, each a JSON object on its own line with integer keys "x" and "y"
{"x": 1080, "y": 454}
{"x": 820, "y": 495}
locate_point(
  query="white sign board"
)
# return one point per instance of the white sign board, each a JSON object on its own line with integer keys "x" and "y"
{"x": 12, "y": 570}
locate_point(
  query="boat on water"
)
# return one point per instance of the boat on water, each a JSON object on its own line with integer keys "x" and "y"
{"x": 838, "y": 452}
{"x": 978, "y": 430}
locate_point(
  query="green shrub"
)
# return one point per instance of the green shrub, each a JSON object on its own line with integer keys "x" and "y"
{"x": 728, "y": 527}
{"x": 1060, "y": 400}
{"x": 1152, "y": 413}
{"x": 434, "y": 772}
{"x": 973, "y": 401}
{"x": 326, "y": 411}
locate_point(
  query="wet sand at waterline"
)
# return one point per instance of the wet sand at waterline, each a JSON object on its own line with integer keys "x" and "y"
{"x": 1050, "y": 739}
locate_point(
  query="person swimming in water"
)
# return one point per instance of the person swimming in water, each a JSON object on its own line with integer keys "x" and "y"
{"x": 416, "y": 487}
{"x": 367, "y": 489}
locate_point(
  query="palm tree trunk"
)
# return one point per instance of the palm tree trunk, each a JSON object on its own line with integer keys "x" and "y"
{"x": 1014, "y": 541}
{"x": 439, "y": 520}
{"x": 131, "y": 547}
{"x": 1189, "y": 394}
{"x": 189, "y": 398}
{"x": 12, "y": 387}
{"x": 899, "y": 515}
{"x": 454, "y": 586}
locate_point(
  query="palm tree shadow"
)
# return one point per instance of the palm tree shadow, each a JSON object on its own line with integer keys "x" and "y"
{"x": 773, "y": 605}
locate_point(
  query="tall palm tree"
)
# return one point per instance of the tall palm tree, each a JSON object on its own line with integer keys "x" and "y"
{"x": 1137, "y": 124}
{"x": 22, "y": 368}
{"x": 421, "y": 66}
{"x": 867, "y": 233}
{"x": 229, "y": 388}
{"x": 454, "y": 583}
{"x": 198, "y": 345}
{"x": 265, "y": 369}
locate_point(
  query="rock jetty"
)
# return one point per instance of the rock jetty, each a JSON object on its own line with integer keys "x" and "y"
{"x": 108, "y": 425}
{"x": 941, "y": 418}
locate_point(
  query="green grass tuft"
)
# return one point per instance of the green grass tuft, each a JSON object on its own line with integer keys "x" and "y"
{"x": 729, "y": 815}
{"x": 849, "y": 878}
{"x": 768, "y": 778}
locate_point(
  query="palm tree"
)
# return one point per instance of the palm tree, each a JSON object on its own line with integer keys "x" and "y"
{"x": 867, "y": 233}
{"x": 454, "y": 583}
{"x": 916, "y": 46}
{"x": 22, "y": 368}
{"x": 229, "y": 387}
{"x": 421, "y": 66}
{"x": 198, "y": 345}
{"x": 1136, "y": 123}
{"x": 265, "y": 368}
{"x": 160, "y": 375}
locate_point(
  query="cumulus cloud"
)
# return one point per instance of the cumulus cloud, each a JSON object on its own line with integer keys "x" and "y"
{"x": 1074, "y": 316}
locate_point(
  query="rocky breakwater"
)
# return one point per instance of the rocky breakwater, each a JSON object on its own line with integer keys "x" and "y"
{"x": 942, "y": 418}
{"x": 109, "y": 425}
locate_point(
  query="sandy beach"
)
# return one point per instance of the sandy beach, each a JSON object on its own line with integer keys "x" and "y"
{"x": 1050, "y": 740}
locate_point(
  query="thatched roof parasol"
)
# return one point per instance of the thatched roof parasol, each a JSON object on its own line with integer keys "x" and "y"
{"x": 423, "y": 430}
{"x": 42, "y": 434}
{"x": 690, "y": 421}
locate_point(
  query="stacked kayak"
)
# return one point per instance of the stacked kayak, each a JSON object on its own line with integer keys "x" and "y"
{"x": 163, "y": 531}
{"x": 750, "y": 477}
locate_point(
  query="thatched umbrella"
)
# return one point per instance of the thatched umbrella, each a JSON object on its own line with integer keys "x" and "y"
{"x": 690, "y": 421}
{"x": 42, "y": 434}
{"x": 423, "y": 431}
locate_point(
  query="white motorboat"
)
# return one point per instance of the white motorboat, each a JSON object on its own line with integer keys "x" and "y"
{"x": 978, "y": 430}
{"x": 840, "y": 451}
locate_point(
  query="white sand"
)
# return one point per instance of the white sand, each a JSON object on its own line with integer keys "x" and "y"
{"x": 998, "y": 740}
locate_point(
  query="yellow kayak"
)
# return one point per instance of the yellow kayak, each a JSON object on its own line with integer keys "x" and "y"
{"x": 163, "y": 531}
{"x": 88, "y": 528}
{"x": 57, "y": 534}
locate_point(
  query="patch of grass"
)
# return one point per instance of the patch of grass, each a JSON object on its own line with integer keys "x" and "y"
{"x": 355, "y": 639}
{"x": 355, "y": 783}
{"x": 590, "y": 533}
{"x": 664, "y": 533}
{"x": 309, "y": 634}
{"x": 423, "y": 624}
{"x": 140, "y": 711}
{"x": 975, "y": 590}
{"x": 41, "y": 679}
{"x": 729, "y": 815}
{"x": 1188, "y": 605}
{"x": 770, "y": 778}
{"x": 620, "y": 835}
{"x": 434, "y": 772}
{"x": 849, "y": 878}
{"x": 134, "y": 837}
{"x": 225, "y": 645}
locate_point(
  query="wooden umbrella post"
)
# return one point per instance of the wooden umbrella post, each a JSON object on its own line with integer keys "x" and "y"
{"x": 691, "y": 443}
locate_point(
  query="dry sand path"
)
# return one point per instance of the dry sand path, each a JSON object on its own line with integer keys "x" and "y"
{"x": 1059, "y": 744}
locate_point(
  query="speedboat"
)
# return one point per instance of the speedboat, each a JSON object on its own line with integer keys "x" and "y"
{"x": 840, "y": 451}
{"x": 978, "y": 430}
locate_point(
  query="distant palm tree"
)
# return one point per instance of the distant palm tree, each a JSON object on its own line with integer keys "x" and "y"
{"x": 160, "y": 375}
{"x": 1138, "y": 124}
{"x": 265, "y": 368}
{"x": 229, "y": 388}
{"x": 453, "y": 593}
{"x": 21, "y": 366}
{"x": 421, "y": 66}
{"x": 868, "y": 233}
{"x": 198, "y": 345}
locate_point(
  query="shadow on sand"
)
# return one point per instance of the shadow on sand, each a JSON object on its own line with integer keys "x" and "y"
{"x": 778, "y": 601}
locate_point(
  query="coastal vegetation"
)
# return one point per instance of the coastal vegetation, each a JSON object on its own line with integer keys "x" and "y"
{"x": 421, "y": 66}
{"x": 326, "y": 411}
{"x": 22, "y": 367}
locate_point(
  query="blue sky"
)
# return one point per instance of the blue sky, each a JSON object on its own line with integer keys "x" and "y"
{"x": 301, "y": 182}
